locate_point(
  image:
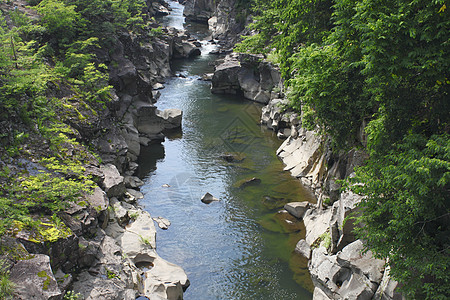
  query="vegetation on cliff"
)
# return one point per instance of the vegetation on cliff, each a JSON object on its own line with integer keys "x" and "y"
{"x": 51, "y": 81}
{"x": 386, "y": 63}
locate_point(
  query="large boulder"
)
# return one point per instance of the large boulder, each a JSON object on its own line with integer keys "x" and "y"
{"x": 248, "y": 74}
{"x": 171, "y": 117}
{"x": 101, "y": 287}
{"x": 297, "y": 209}
{"x": 165, "y": 280}
{"x": 186, "y": 48}
{"x": 225, "y": 79}
{"x": 303, "y": 248}
{"x": 113, "y": 183}
{"x": 33, "y": 279}
{"x": 351, "y": 274}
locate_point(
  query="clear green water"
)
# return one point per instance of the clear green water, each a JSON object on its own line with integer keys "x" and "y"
{"x": 239, "y": 247}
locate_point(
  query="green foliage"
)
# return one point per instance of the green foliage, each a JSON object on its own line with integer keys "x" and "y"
{"x": 406, "y": 212}
{"x": 155, "y": 32}
{"x": 59, "y": 19}
{"x": 386, "y": 62}
{"x": 110, "y": 274}
{"x": 6, "y": 286}
{"x": 144, "y": 240}
{"x": 285, "y": 25}
{"x": 324, "y": 240}
{"x": 70, "y": 295}
{"x": 327, "y": 88}
{"x": 48, "y": 74}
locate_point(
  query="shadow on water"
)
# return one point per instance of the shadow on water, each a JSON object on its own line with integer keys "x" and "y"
{"x": 148, "y": 159}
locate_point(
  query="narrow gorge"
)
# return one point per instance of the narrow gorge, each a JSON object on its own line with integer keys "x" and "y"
{"x": 155, "y": 150}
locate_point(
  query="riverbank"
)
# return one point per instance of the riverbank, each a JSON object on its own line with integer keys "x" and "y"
{"x": 338, "y": 267}
{"x": 336, "y": 263}
{"x": 100, "y": 245}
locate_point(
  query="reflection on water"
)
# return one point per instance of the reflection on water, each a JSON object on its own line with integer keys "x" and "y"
{"x": 239, "y": 247}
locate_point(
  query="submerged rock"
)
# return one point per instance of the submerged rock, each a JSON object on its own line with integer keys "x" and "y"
{"x": 208, "y": 198}
{"x": 233, "y": 157}
{"x": 248, "y": 182}
{"x": 273, "y": 202}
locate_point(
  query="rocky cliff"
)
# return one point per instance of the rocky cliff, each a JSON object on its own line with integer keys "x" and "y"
{"x": 105, "y": 245}
{"x": 256, "y": 79}
{"x": 225, "y": 20}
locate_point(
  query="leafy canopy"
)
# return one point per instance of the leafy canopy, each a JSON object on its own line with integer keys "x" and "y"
{"x": 388, "y": 63}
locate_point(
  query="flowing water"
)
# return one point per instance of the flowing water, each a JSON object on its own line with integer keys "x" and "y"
{"x": 240, "y": 247}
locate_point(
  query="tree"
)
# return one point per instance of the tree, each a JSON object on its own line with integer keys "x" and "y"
{"x": 387, "y": 62}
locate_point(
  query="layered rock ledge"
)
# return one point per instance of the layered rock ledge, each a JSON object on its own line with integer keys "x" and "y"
{"x": 104, "y": 247}
{"x": 249, "y": 75}
{"x": 338, "y": 265}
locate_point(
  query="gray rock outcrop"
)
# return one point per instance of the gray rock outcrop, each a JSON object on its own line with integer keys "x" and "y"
{"x": 225, "y": 20}
{"x": 123, "y": 262}
{"x": 34, "y": 279}
{"x": 297, "y": 209}
{"x": 248, "y": 74}
{"x": 337, "y": 266}
{"x": 348, "y": 275}
{"x": 113, "y": 183}
{"x": 199, "y": 10}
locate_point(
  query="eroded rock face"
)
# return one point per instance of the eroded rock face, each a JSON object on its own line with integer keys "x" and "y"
{"x": 304, "y": 157}
{"x": 247, "y": 74}
{"x": 113, "y": 183}
{"x": 34, "y": 279}
{"x": 97, "y": 287}
{"x": 199, "y": 10}
{"x": 339, "y": 281}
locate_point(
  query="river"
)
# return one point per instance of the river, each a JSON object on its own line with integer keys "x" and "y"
{"x": 240, "y": 247}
